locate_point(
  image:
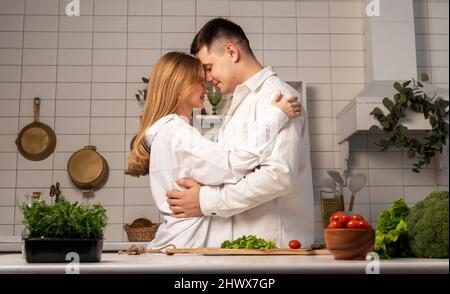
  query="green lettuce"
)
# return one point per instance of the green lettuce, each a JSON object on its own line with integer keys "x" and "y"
{"x": 391, "y": 237}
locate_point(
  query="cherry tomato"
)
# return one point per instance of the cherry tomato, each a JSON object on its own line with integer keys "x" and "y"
{"x": 295, "y": 244}
{"x": 334, "y": 225}
{"x": 344, "y": 219}
{"x": 364, "y": 224}
{"x": 353, "y": 224}
{"x": 335, "y": 216}
{"x": 358, "y": 217}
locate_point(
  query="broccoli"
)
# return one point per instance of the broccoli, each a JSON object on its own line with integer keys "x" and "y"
{"x": 391, "y": 239}
{"x": 428, "y": 226}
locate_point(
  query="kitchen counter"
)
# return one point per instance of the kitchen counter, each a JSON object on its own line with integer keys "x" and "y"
{"x": 190, "y": 263}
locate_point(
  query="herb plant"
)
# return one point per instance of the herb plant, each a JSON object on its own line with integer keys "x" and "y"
{"x": 64, "y": 220}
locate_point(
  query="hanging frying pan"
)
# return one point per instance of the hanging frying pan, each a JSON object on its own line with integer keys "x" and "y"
{"x": 36, "y": 141}
{"x": 87, "y": 169}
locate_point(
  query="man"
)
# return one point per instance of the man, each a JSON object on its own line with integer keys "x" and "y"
{"x": 275, "y": 201}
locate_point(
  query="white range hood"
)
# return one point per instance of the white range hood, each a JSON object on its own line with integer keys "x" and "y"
{"x": 390, "y": 56}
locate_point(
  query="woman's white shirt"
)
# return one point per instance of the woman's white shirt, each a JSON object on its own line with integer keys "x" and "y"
{"x": 179, "y": 151}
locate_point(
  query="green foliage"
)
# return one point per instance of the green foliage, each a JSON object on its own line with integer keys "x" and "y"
{"x": 428, "y": 226}
{"x": 249, "y": 242}
{"x": 391, "y": 238}
{"x": 64, "y": 220}
{"x": 435, "y": 109}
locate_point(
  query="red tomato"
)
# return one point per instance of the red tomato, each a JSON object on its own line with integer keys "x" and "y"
{"x": 334, "y": 225}
{"x": 344, "y": 219}
{"x": 353, "y": 224}
{"x": 364, "y": 224}
{"x": 295, "y": 244}
{"x": 358, "y": 217}
{"x": 335, "y": 216}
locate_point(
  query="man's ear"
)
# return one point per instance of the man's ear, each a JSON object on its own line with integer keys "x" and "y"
{"x": 232, "y": 51}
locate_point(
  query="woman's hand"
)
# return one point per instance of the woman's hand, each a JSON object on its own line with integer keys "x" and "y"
{"x": 290, "y": 106}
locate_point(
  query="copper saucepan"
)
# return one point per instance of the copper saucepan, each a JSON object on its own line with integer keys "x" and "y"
{"x": 36, "y": 141}
{"x": 87, "y": 169}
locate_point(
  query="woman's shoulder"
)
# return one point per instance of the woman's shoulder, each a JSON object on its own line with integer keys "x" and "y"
{"x": 178, "y": 130}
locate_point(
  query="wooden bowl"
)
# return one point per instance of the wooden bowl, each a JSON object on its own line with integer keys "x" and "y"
{"x": 349, "y": 243}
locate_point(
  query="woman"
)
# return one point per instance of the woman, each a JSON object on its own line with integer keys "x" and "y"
{"x": 168, "y": 148}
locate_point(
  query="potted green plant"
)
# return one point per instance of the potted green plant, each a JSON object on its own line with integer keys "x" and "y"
{"x": 54, "y": 230}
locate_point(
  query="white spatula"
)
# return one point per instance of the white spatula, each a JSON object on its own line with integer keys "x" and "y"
{"x": 355, "y": 184}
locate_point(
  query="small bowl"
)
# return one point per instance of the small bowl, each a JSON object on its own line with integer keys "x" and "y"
{"x": 349, "y": 244}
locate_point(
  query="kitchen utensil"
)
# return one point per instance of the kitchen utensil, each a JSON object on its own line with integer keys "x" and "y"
{"x": 329, "y": 186}
{"x": 87, "y": 169}
{"x": 55, "y": 191}
{"x": 355, "y": 184}
{"x": 336, "y": 176}
{"x": 329, "y": 205}
{"x": 227, "y": 251}
{"x": 36, "y": 141}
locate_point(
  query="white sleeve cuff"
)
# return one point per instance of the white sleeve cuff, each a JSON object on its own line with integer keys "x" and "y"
{"x": 209, "y": 197}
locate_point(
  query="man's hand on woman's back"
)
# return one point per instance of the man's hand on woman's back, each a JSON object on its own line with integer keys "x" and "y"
{"x": 185, "y": 203}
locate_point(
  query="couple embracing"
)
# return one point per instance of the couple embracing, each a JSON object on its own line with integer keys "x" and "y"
{"x": 256, "y": 180}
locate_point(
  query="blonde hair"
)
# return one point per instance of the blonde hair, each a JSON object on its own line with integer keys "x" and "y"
{"x": 171, "y": 78}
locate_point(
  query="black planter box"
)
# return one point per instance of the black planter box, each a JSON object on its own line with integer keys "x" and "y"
{"x": 55, "y": 249}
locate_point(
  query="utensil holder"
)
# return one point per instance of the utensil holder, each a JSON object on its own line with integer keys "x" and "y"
{"x": 329, "y": 206}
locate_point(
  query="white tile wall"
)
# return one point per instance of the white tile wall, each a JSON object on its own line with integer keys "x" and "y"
{"x": 431, "y": 18}
{"x": 144, "y": 7}
{"x": 87, "y": 69}
{"x": 312, "y": 9}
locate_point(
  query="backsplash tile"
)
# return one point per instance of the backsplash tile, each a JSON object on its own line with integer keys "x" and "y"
{"x": 10, "y": 56}
{"x": 86, "y": 70}
{"x": 144, "y": 7}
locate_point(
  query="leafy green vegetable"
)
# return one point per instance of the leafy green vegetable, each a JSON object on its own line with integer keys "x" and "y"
{"x": 391, "y": 238}
{"x": 64, "y": 220}
{"x": 249, "y": 242}
{"x": 428, "y": 226}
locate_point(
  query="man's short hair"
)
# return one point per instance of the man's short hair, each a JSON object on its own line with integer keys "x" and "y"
{"x": 220, "y": 28}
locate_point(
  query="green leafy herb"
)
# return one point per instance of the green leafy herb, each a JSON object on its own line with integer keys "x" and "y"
{"x": 249, "y": 242}
{"x": 64, "y": 220}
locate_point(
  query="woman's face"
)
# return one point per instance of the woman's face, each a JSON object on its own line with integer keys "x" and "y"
{"x": 196, "y": 98}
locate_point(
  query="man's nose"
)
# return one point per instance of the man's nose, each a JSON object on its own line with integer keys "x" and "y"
{"x": 208, "y": 78}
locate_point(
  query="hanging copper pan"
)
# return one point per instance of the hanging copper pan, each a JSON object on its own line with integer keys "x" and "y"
{"x": 36, "y": 141}
{"x": 87, "y": 169}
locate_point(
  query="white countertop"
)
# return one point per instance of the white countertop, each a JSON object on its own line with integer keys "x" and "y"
{"x": 191, "y": 263}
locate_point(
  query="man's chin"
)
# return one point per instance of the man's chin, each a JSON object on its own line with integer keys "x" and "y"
{"x": 223, "y": 90}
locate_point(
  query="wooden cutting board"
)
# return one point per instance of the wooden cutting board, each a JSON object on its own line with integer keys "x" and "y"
{"x": 224, "y": 251}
